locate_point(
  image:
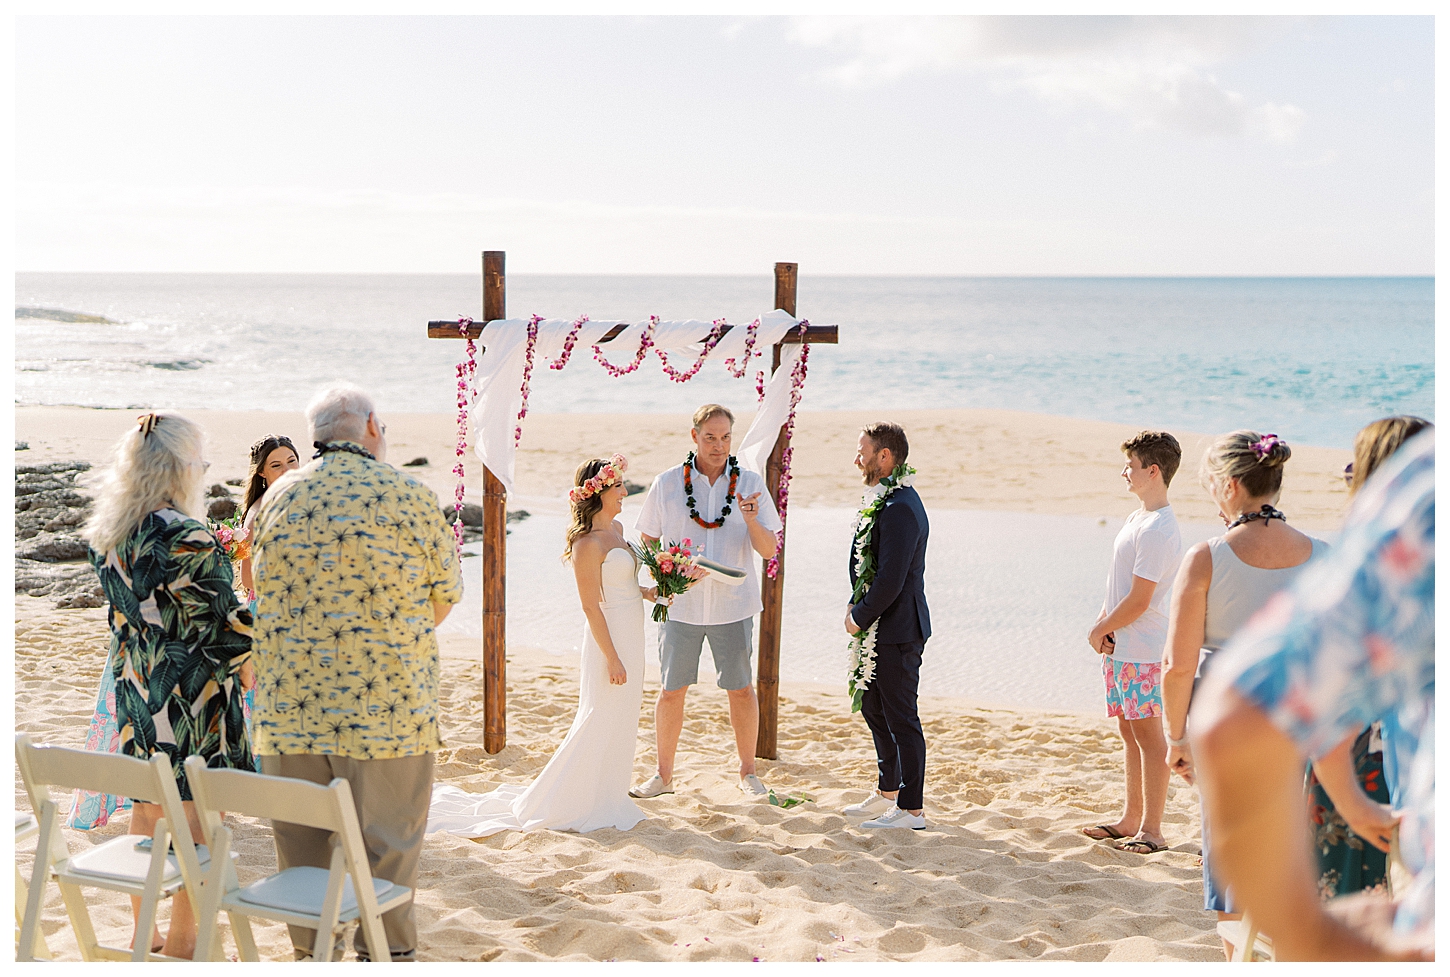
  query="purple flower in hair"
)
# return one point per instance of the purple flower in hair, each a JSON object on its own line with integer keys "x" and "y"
{"x": 1264, "y": 446}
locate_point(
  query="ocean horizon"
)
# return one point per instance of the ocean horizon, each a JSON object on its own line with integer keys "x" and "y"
{"x": 1310, "y": 358}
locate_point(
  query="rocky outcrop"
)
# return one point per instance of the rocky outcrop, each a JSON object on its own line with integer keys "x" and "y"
{"x": 50, "y": 556}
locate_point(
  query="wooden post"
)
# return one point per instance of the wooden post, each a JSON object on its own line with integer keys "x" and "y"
{"x": 767, "y": 679}
{"x": 495, "y": 553}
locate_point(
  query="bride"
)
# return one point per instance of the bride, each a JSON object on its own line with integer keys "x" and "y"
{"x": 586, "y": 784}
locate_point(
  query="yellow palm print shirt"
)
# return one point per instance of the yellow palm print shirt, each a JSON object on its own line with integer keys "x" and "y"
{"x": 350, "y": 554}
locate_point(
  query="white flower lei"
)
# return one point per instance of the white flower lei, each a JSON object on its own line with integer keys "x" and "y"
{"x": 861, "y": 667}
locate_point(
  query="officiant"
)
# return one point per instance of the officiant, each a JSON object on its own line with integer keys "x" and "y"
{"x": 729, "y": 518}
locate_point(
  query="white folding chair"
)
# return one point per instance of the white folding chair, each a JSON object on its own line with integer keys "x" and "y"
{"x": 26, "y": 827}
{"x": 1249, "y": 945}
{"x": 123, "y": 864}
{"x": 322, "y": 899}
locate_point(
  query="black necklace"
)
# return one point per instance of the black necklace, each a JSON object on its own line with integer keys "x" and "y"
{"x": 324, "y": 447}
{"x": 1265, "y": 513}
{"x": 729, "y": 492}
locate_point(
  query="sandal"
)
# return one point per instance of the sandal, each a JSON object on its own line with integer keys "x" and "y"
{"x": 1139, "y": 846}
{"x": 1109, "y": 832}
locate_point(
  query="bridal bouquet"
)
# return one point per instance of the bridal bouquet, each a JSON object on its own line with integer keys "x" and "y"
{"x": 673, "y": 568}
{"x": 235, "y": 538}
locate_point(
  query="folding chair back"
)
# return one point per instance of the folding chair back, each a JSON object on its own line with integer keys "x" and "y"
{"x": 321, "y": 899}
{"x": 1249, "y": 945}
{"x": 172, "y": 864}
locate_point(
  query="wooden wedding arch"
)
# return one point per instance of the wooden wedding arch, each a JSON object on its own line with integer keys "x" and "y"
{"x": 495, "y": 544}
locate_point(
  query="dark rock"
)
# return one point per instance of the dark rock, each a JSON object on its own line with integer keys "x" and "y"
{"x": 236, "y": 481}
{"x": 53, "y": 468}
{"x": 82, "y": 598}
{"x": 53, "y": 579}
{"x": 59, "y": 315}
{"x": 518, "y": 515}
{"x": 218, "y": 491}
{"x": 220, "y": 509}
{"x": 418, "y": 462}
{"x": 633, "y": 488}
{"x": 52, "y": 548}
{"x": 22, "y": 445}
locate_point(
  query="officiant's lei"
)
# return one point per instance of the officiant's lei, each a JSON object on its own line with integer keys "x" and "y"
{"x": 862, "y": 648}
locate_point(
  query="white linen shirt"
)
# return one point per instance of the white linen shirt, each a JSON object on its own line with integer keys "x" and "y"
{"x": 666, "y": 516}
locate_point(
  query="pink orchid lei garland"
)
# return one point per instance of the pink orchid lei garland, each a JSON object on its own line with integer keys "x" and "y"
{"x": 466, "y": 373}
{"x": 752, "y": 332}
{"x": 711, "y": 340}
{"x": 569, "y": 342}
{"x": 645, "y": 342}
{"x": 797, "y": 381}
{"x": 524, "y": 388}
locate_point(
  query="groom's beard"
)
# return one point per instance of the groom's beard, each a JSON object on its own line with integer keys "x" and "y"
{"x": 870, "y": 475}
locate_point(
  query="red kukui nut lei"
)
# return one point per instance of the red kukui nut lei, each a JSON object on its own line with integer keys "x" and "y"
{"x": 466, "y": 374}
{"x": 710, "y": 341}
{"x": 645, "y": 342}
{"x": 797, "y": 381}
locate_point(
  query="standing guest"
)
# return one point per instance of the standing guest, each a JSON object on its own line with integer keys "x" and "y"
{"x": 355, "y": 567}
{"x": 1131, "y": 630}
{"x": 1355, "y": 787}
{"x": 894, "y": 602}
{"x": 1353, "y": 639}
{"x": 697, "y": 500}
{"x": 271, "y": 458}
{"x": 1222, "y": 583}
{"x": 180, "y": 642}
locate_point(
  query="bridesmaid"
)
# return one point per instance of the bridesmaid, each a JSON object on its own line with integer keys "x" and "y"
{"x": 272, "y": 457}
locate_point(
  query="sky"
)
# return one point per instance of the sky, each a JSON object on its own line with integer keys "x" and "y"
{"x": 719, "y": 145}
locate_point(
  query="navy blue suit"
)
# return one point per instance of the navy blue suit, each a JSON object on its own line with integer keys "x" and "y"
{"x": 896, "y": 602}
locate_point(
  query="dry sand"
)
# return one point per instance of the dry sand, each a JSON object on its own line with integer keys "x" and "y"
{"x": 1001, "y": 873}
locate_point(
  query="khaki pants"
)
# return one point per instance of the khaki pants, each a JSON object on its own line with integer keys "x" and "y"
{"x": 391, "y": 797}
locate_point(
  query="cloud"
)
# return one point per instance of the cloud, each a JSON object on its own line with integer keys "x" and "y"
{"x": 1153, "y": 70}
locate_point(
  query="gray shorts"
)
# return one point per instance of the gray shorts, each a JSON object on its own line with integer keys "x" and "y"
{"x": 680, "y": 646}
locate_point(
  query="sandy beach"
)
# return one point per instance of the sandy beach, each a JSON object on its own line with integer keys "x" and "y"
{"x": 1001, "y": 873}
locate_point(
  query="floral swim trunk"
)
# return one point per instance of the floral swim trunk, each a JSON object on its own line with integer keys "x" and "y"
{"x": 1134, "y": 688}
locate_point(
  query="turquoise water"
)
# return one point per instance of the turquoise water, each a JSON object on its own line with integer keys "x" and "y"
{"x": 1312, "y": 359}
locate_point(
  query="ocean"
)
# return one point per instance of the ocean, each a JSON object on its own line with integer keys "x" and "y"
{"x": 1311, "y": 359}
{"x": 1012, "y": 594}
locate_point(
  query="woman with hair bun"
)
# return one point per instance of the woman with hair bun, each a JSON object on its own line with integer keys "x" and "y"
{"x": 1222, "y": 583}
{"x": 586, "y": 784}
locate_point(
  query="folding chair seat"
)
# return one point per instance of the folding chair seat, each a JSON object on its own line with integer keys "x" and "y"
{"x": 151, "y": 869}
{"x": 326, "y": 900}
{"x": 26, "y": 827}
{"x": 1250, "y": 946}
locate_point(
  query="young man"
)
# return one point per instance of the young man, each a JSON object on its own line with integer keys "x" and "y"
{"x": 728, "y": 514}
{"x": 1130, "y": 633}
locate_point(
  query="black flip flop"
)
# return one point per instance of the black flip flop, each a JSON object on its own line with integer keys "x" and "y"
{"x": 1112, "y": 833}
{"x": 1150, "y": 848}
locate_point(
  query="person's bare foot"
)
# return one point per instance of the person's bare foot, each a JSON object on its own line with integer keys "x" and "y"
{"x": 1111, "y": 832}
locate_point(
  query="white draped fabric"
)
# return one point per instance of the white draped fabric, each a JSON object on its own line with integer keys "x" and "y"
{"x": 501, "y": 372}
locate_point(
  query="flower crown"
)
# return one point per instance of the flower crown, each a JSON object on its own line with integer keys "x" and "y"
{"x": 611, "y": 474}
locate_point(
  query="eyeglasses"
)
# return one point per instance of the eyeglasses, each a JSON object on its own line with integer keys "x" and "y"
{"x": 1349, "y": 473}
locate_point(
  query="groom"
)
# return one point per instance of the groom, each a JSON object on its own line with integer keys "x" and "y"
{"x": 896, "y": 603}
{"x": 728, "y": 515}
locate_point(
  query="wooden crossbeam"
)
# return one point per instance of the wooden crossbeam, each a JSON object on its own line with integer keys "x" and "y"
{"x": 448, "y": 329}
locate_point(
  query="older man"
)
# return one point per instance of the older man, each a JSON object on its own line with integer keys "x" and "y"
{"x": 725, "y": 510}
{"x": 355, "y": 567}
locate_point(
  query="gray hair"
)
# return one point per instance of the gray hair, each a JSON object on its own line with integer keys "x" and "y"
{"x": 149, "y": 471}
{"x": 339, "y": 413}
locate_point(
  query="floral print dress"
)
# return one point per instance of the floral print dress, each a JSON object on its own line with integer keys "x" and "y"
{"x": 1348, "y": 863}
{"x": 178, "y": 639}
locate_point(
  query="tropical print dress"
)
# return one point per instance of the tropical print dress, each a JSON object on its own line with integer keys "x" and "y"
{"x": 1347, "y": 863}
{"x": 178, "y": 638}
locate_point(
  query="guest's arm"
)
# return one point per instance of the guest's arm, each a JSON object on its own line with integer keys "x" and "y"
{"x": 897, "y": 532}
{"x": 1129, "y": 609}
{"x": 1187, "y": 614}
{"x": 1372, "y": 821}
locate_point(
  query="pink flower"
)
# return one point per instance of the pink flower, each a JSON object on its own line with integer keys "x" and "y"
{"x": 685, "y": 542}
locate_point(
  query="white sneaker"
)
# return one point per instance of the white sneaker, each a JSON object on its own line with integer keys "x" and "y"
{"x": 897, "y": 818}
{"x": 653, "y": 787}
{"x": 875, "y": 804}
{"x": 750, "y": 784}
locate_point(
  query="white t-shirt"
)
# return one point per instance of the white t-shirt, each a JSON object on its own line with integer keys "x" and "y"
{"x": 1148, "y": 546}
{"x": 666, "y": 516}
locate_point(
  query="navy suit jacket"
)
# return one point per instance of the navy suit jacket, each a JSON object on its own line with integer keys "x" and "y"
{"x": 897, "y": 597}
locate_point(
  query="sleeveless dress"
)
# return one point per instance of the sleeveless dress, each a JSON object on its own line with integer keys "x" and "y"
{"x": 586, "y": 784}
{"x": 1236, "y": 592}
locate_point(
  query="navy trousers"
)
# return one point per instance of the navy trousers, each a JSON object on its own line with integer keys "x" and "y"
{"x": 889, "y": 708}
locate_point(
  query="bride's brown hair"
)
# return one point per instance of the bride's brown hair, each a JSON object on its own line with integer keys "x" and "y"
{"x": 582, "y": 513}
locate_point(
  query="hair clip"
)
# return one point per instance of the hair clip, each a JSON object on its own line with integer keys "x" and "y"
{"x": 147, "y": 423}
{"x": 1264, "y": 446}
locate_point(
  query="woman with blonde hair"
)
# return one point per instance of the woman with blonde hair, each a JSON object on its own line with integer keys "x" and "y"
{"x": 1225, "y": 581}
{"x": 180, "y": 642}
{"x": 586, "y": 783}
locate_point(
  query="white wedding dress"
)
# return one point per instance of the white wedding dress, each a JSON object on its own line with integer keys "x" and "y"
{"x": 586, "y": 784}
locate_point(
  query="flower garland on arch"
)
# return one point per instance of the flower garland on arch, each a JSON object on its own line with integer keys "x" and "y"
{"x": 734, "y": 467}
{"x": 466, "y": 374}
{"x": 646, "y": 340}
{"x": 861, "y": 667}
{"x": 797, "y": 381}
{"x": 680, "y": 376}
